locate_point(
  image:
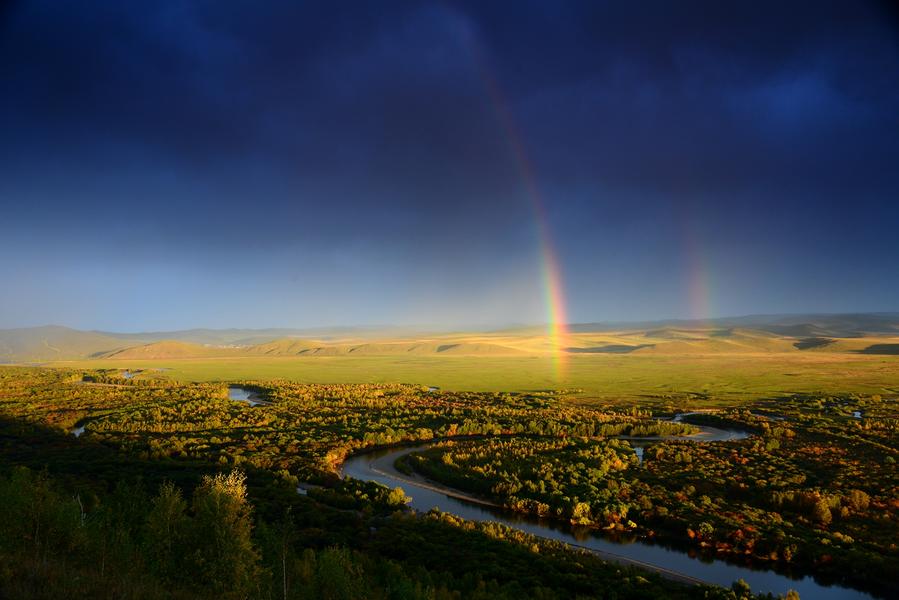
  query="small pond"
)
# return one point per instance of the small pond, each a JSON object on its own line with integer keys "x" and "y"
{"x": 250, "y": 397}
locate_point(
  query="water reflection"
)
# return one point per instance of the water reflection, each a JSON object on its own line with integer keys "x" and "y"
{"x": 379, "y": 467}
{"x": 240, "y": 394}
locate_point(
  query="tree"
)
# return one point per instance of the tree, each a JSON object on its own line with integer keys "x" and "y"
{"x": 741, "y": 589}
{"x": 821, "y": 512}
{"x": 34, "y": 517}
{"x": 397, "y": 497}
{"x": 858, "y": 500}
{"x": 223, "y": 552}
{"x": 165, "y": 531}
{"x": 580, "y": 513}
{"x": 338, "y": 576}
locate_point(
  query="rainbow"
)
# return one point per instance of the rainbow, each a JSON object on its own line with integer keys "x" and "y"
{"x": 551, "y": 272}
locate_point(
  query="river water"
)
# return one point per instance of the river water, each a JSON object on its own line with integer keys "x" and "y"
{"x": 240, "y": 394}
{"x": 379, "y": 466}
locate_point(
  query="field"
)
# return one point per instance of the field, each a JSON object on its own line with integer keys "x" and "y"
{"x": 718, "y": 379}
{"x": 722, "y": 363}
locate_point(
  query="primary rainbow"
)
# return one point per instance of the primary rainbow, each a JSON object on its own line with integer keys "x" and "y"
{"x": 551, "y": 272}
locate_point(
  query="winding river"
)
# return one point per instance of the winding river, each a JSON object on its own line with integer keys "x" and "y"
{"x": 676, "y": 564}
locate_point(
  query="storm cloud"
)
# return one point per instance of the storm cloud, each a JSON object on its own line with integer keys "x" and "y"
{"x": 354, "y": 164}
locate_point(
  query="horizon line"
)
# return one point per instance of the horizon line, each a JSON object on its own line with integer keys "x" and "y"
{"x": 473, "y": 327}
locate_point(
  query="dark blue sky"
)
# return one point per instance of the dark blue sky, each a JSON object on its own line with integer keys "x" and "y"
{"x": 171, "y": 164}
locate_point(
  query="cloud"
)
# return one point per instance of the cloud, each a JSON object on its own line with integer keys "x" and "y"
{"x": 364, "y": 138}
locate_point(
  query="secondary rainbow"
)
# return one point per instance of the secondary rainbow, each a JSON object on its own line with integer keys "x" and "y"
{"x": 699, "y": 290}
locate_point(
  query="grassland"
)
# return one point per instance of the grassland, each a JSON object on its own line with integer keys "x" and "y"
{"x": 723, "y": 363}
{"x": 720, "y": 379}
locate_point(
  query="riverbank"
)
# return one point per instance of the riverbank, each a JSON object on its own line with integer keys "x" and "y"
{"x": 678, "y": 565}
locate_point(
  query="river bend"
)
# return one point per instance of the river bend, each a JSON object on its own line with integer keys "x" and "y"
{"x": 676, "y": 564}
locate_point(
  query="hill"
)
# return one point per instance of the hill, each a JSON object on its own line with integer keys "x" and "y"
{"x": 53, "y": 342}
{"x": 806, "y": 325}
{"x": 851, "y": 334}
{"x": 170, "y": 349}
{"x": 283, "y": 347}
{"x": 249, "y": 337}
{"x": 454, "y": 345}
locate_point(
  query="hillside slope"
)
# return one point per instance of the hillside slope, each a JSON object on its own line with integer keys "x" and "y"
{"x": 849, "y": 334}
{"x": 171, "y": 349}
{"x": 283, "y": 347}
{"x": 53, "y": 342}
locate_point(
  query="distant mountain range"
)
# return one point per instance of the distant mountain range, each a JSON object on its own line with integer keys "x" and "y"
{"x": 873, "y": 333}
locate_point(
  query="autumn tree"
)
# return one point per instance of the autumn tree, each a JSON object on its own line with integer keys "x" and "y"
{"x": 821, "y": 512}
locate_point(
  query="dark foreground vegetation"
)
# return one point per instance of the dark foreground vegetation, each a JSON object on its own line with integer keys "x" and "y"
{"x": 175, "y": 491}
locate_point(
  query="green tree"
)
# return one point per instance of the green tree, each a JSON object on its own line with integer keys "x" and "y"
{"x": 34, "y": 518}
{"x": 165, "y": 531}
{"x": 225, "y": 559}
{"x": 741, "y": 589}
{"x": 338, "y": 576}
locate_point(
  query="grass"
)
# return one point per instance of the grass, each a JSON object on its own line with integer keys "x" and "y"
{"x": 721, "y": 379}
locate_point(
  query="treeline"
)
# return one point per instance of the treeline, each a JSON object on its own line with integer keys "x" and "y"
{"x": 58, "y": 543}
{"x": 130, "y": 544}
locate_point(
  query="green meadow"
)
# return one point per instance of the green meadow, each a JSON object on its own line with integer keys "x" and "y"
{"x": 721, "y": 364}
{"x": 715, "y": 379}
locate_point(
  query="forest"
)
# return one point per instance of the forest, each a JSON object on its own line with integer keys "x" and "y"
{"x": 174, "y": 486}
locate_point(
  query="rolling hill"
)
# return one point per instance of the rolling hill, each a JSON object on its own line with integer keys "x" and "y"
{"x": 283, "y": 347}
{"x": 853, "y": 334}
{"x": 170, "y": 349}
{"x": 53, "y": 342}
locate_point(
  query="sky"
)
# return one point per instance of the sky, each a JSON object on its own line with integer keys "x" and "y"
{"x": 220, "y": 163}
